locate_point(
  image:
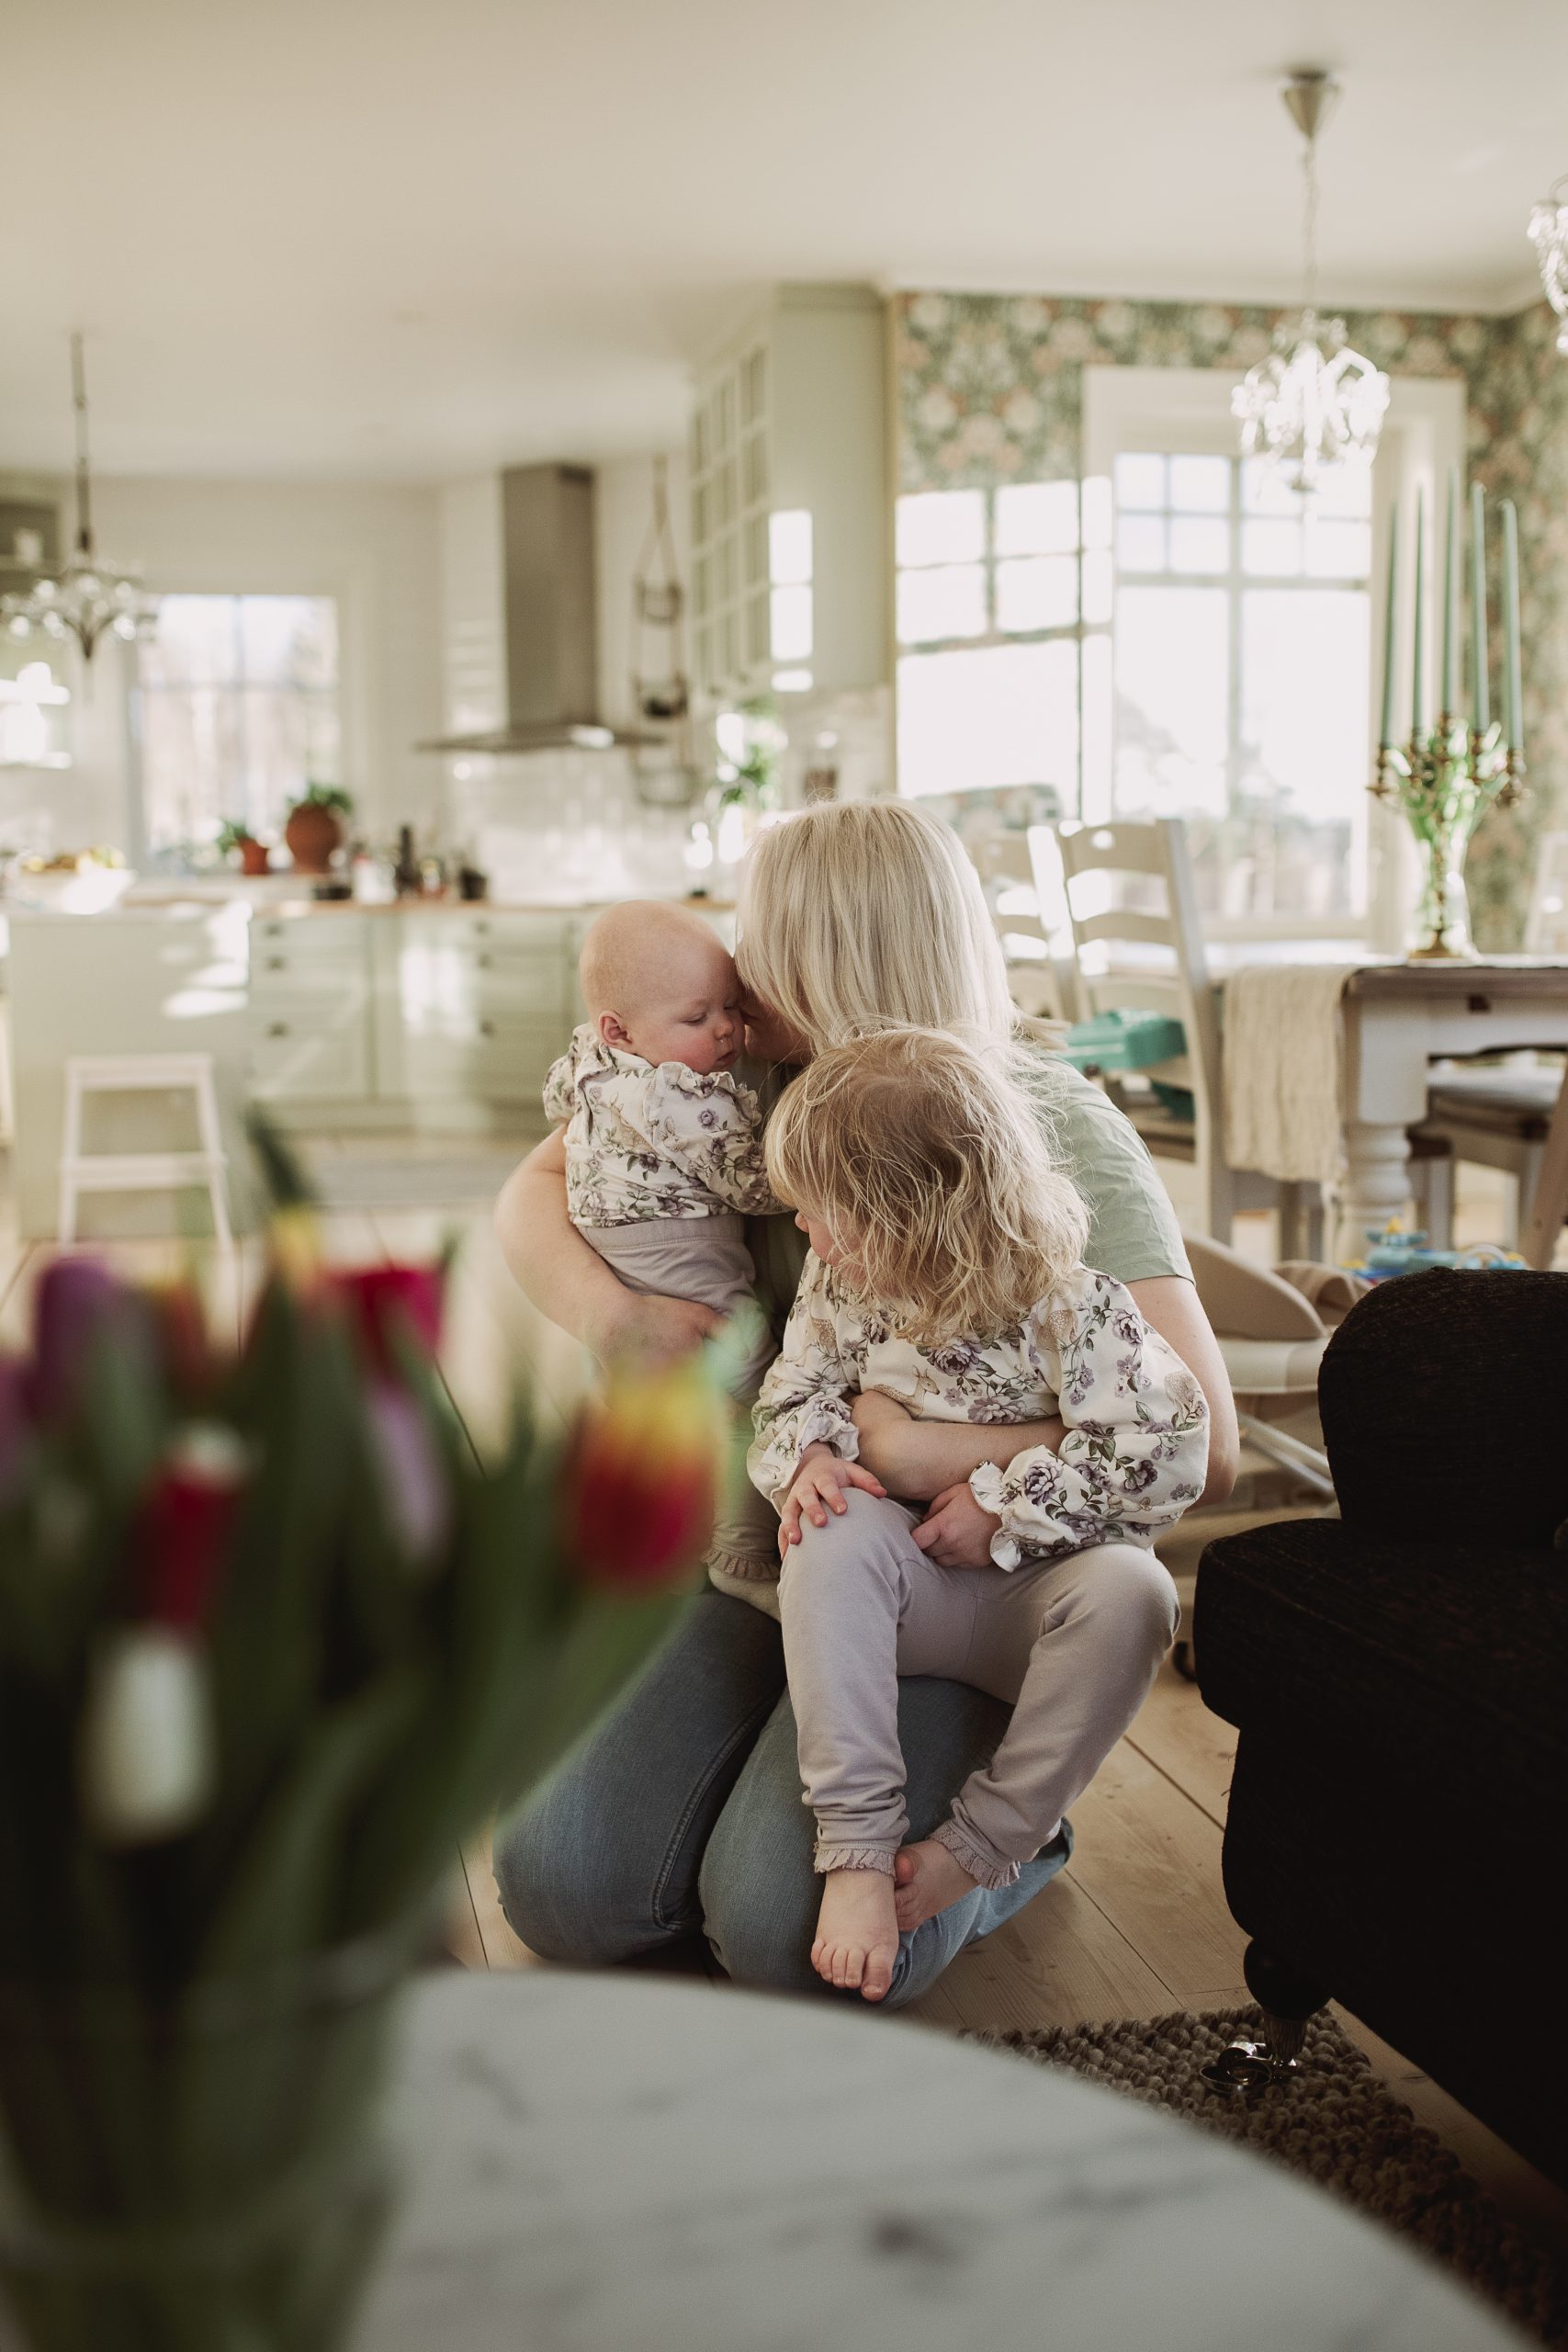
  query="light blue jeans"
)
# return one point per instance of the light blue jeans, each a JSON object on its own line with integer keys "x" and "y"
{"x": 680, "y": 1817}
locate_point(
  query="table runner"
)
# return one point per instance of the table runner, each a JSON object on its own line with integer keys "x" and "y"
{"x": 1281, "y": 1059}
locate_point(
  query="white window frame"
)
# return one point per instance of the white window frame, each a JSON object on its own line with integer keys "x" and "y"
{"x": 1188, "y": 409}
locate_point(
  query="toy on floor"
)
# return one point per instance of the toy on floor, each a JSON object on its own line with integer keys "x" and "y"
{"x": 1393, "y": 1249}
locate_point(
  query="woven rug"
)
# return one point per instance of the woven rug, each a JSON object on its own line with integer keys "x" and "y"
{"x": 1339, "y": 2125}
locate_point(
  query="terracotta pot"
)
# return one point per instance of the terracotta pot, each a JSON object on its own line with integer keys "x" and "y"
{"x": 312, "y": 834}
{"x": 254, "y": 857}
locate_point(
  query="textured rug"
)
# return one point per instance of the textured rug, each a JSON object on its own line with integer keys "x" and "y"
{"x": 1339, "y": 2125}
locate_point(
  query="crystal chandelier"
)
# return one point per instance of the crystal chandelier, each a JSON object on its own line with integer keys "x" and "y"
{"x": 1548, "y": 235}
{"x": 88, "y": 598}
{"x": 1314, "y": 403}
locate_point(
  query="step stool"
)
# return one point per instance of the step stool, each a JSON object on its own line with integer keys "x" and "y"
{"x": 142, "y": 1171}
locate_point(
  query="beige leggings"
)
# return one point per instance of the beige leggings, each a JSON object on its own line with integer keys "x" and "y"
{"x": 1072, "y": 1645}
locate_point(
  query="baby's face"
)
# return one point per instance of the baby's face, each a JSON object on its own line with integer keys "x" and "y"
{"x": 690, "y": 1013}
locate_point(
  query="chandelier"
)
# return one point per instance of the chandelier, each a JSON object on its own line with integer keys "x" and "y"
{"x": 1314, "y": 403}
{"x": 88, "y": 598}
{"x": 1548, "y": 235}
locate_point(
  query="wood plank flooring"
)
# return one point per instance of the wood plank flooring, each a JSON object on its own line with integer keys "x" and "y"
{"x": 1135, "y": 1925}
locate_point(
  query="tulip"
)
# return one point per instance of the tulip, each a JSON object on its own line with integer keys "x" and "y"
{"x": 78, "y": 1301}
{"x": 294, "y": 1243}
{"x": 391, "y": 1302}
{"x": 184, "y": 1341}
{"x": 187, "y": 1522}
{"x": 414, "y": 1485}
{"x": 15, "y": 1427}
{"x": 147, "y": 1756}
{"x": 640, "y": 1477}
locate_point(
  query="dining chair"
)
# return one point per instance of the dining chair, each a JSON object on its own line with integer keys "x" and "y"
{"x": 1120, "y": 900}
{"x": 1501, "y": 1117}
{"x": 1037, "y": 981}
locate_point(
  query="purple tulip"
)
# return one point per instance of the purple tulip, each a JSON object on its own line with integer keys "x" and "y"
{"x": 77, "y": 1301}
{"x": 413, "y": 1484}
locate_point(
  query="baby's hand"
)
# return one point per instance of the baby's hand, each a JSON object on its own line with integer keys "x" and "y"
{"x": 819, "y": 1486}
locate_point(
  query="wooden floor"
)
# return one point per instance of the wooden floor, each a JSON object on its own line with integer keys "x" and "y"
{"x": 1137, "y": 1925}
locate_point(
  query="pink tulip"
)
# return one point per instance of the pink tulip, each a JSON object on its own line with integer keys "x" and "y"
{"x": 187, "y": 1522}
{"x": 388, "y": 1302}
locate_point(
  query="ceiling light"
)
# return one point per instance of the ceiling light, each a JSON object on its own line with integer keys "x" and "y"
{"x": 88, "y": 598}
{"x": 1548, "y": 235}
{"x": 1314, "y": 403}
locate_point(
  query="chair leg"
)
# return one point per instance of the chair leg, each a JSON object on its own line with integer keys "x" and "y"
{"x": 1432, "y": 1189}
{"x": 1287, "y": 2000}
{"x": 70, "y": 1152}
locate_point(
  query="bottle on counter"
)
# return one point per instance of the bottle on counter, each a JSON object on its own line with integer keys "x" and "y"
{"x": 405, "y": 873}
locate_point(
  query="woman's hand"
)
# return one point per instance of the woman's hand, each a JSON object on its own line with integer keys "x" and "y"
{"x": 648, "y": 1324}
{"x": 956, "y": 1532}
{"x": 820, "y": 1485}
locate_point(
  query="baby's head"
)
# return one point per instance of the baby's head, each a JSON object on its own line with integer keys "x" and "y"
{"x": 919, "y": 1169}
{"x": 657, "y": 983}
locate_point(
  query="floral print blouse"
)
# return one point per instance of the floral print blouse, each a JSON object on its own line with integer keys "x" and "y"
{"x": 645, "y": 1141}
{"x": 1136, "y": 1453}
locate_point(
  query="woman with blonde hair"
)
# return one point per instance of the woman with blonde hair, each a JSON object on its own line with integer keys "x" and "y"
{"x": 679, "y": 1818}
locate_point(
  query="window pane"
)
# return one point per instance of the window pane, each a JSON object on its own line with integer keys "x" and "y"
{"x": 941, "y": 527}
{"x": 1264, "y": 490}
{"x": 1200, "y": 546}
{"x": 1302, "y": 794}
{"x": 1140, "y": 480}
{"x": 1201, "y": 485}
{"x": 1037, "y": 518}
{"x": 1038, "y": 591}
{"x": 789, "y": 546}
{"x": 1140, "y": 543}
{"x": 1099, "y": 587}
{"x": 1338, "y": 550}
{"x": 286, "y": 638}
{"x": 1173, "y": 701}
{"x": 1006, "y": 713}
{"x": 1271, "y": 550}
{"x": 198, "y": 639}
{"x": 949, "y": 601}
{"x": 792, "y": 624}
{"x": 1098, "y": 509}
{"x": 1346, "y": 488}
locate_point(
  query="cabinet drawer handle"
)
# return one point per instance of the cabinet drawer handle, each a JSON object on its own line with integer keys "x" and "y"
{"x": 483, "y": 963}
{"x": 487, "y": 1028}
{"x": 276, "y": 964}
{"x": 277, "y": 1028}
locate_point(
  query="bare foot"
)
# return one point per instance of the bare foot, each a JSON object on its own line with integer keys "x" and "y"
{"x": 857, "y": 1935}
{"x": 927, "y": 1877}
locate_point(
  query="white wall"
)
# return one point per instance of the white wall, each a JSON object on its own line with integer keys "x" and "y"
{"x": 623, "y": 506}
{"x": 375, "y": 547}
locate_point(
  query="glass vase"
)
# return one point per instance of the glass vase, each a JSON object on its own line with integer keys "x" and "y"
{"x": 203, "y": 2176}
{"x": 1442, "y": 908}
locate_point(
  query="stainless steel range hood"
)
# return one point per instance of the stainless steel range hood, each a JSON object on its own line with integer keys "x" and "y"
{"x": 549, "y": 635}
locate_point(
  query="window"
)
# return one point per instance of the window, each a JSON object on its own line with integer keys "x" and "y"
{"x": 995, "y": 591}
{"x": 1241, "y": 646}
{"x": 239, "y": 711}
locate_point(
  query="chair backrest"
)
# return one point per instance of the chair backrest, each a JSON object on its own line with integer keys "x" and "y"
{"x": 1034, "y": 961}
{"x": 1138, "y": 950}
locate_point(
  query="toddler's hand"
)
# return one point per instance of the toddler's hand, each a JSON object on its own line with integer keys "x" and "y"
{"x": 956, "y": 1532}
{"x": 819, "y": 1487}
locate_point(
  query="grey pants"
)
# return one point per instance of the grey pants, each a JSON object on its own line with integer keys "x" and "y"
{"x": 1072, "y": 1646}
{"x": 706, "y": 1258}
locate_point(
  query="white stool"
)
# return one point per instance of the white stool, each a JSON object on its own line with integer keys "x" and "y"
{"x": 142, "y": 1171}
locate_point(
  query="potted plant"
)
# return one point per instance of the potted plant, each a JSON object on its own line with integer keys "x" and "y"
{"x": 253, "y": 854}
{"x": 272, "y": 1639}
{"x": 314, "y": 829}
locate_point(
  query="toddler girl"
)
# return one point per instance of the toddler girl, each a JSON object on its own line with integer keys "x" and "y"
{"x": 663, "y": 1146}
{"x": 1050, "y": 1431}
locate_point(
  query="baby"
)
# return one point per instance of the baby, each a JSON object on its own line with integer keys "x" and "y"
{"x": 1050, "y": 1431}
{"x": 664, "y": 1149}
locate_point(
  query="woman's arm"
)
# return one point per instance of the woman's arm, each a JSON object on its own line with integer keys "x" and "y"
{"x": 922, "y": 1459}
{"x": 805, "y": 1395}
{"x": 568, "y": 1282}
{"x": 1171, "y": 1304}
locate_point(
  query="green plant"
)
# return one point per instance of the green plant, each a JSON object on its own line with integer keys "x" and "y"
{"x": 332, "y": 797}
{"x": 232, "y": 835}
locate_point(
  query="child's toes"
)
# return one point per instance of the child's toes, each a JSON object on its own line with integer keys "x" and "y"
{"x": 878, "y": 1974}
{"x": 854, "y": 1968}
{"x": 822, "y": 1960}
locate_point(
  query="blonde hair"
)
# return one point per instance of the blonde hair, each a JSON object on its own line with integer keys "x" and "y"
{"x": 932, "y": 1170}
{"x": 862, "y": 912}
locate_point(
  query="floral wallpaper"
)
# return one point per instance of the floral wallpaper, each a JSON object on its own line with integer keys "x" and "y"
{"x": 990, "y": 391}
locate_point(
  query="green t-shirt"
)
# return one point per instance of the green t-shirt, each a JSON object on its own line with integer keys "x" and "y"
{"x": 1132, "y": 1233}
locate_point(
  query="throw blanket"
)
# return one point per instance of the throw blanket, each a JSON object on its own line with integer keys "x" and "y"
{"x": 1283, "y": 1095}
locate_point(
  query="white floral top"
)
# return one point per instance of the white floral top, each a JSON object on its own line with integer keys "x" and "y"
{"x": 1136, "y": 1453}
{"x": 645, "y": 1141}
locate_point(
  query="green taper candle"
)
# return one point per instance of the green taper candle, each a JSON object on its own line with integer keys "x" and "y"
{"x": 1418, "y": 662}
{"x": 1481, "y": 683}
{"x": 1390, "y": 623}
{"x": 1450, "y": 598}
{"x": 1514, "y": 719}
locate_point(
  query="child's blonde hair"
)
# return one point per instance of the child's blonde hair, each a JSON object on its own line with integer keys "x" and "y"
{"x": 861, "y": 912}
{"x": 930, "y": 1168}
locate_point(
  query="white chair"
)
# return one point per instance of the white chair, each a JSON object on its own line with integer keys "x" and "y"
{"x": 1141, "y": 950}
{"x": 1005, "y": 868}
{"x": 142, "y": 1171}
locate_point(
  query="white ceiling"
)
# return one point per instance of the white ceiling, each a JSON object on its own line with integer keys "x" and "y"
{"x": 406, "y": 239}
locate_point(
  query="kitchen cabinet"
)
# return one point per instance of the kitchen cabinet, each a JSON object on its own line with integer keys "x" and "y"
{"x": 789, "y": 485}
{"x": 310, "y": 1008}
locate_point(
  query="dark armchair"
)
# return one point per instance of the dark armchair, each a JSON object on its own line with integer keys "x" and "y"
{"x": 1398, "y": 1824}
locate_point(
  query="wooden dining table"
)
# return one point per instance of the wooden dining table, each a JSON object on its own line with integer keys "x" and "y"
{"x": 1397, "y": 1019}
